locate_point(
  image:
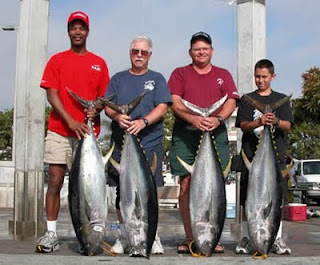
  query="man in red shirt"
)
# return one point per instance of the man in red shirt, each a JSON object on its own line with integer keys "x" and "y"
{"x": 202, "y": 84}
{"x": 86, "y": 74}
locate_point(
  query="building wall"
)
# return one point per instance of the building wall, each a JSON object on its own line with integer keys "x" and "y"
{"x": 6, "y": 184}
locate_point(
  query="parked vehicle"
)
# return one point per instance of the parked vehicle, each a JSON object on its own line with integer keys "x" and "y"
{"x": 308, "y": 176}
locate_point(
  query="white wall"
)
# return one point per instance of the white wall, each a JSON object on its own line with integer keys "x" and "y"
{"x": 6, "y": 184}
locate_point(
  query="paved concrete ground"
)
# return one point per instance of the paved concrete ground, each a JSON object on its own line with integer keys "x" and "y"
{"x": 303, "y": 238}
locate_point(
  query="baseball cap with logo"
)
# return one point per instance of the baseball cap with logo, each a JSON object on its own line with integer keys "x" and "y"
{"x": 79, "y": 15}
{"x": 201, "y": 35}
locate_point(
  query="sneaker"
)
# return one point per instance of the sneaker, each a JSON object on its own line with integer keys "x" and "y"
{"x": 120, "y": 246}
{"x": 157, "y": 247}
{"x": 244, "y": 246}
{"x": 48, "y": 243}
{"x": 280, "y": 247}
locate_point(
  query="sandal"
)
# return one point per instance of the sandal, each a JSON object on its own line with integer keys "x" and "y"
{"x": 219, "y": 248}
{"x": 183, "y": 248}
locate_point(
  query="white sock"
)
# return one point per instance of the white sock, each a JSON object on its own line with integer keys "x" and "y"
{"x": 244, "y": 229}
{"x": 279, "y": 234}
{"x": 52, "y": 226}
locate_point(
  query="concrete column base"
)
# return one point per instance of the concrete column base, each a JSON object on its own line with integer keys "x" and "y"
{"x": 22, "y": 230}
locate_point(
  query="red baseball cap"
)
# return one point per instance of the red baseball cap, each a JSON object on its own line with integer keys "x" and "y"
{"x": 79, "y": 15}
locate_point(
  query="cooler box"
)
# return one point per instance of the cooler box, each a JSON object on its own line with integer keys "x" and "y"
{"x": 231, "y": 210}
{"x": 294, "y": 212}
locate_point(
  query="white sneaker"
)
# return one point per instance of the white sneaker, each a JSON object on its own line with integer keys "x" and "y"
{"x": 120, "y": 246}
{"x": 157, "y": 246}
{"x": 48, "y": 243}
{"x": 244, "y": 246}
{"x": 280, "y": 247}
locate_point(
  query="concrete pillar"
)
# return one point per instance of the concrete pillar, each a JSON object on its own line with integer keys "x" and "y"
{"x": 251, "y": 40}
{"x": 251, "y": 24}
{"x": 29, "y": 119}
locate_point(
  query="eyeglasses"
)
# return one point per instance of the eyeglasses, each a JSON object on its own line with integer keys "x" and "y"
{"x": 137, "y": 51}
{"x": 205, "y": 49}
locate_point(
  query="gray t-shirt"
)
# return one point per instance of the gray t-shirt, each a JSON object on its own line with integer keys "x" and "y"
{"x": 126, "y": 87}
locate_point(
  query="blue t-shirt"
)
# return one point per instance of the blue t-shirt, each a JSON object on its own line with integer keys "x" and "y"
{"x": 126, "y": 87}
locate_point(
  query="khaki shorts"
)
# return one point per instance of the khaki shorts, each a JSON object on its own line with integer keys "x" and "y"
{"x": 59, "y": 149}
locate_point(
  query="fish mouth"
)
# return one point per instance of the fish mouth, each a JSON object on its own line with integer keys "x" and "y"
{"x": 92, "y": 245}
{"x": 90, "y": 250}
{"x": 206, "y": 252}
{"x": 138, "y": 252}
{"x": 206, "y": 249}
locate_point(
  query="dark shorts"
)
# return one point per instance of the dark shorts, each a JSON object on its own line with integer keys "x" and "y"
{"x": 113, "y": 175}
{"x": 185, "y": 144}
{"x": 244, "y": 186}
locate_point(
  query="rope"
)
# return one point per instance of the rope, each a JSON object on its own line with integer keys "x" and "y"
{"x": 196, "y": 255}
{"x": 263, "y": 256}
{"x": 108, "y": 249}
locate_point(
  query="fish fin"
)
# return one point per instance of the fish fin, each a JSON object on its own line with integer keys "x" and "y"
{"x": 280, "y": 102}
{"x": 125, "y": 108}
{"x": 227, "y": 169}
{"x": 115, "y": 164}
{"x": 196, "y": 109}
{"x": 264, "y": 108}
{"x": 132, "y": 105}
{"x": 217, "y": 105}
{"x": 102, "y": 100}
{"x": 246, "y": 160}
{"x": 106, "y": 158}
{"x": 185, "y": 165}
{"x": 287, "y": 169}
{"x": 154, "y": 164}
{"x": 85, "y": 103}
{"x": 258, "y": 105}
{"x": 284, "y": 172}
{"x": 204, "y": 112}
{"x": 267, "y": 210}
{"x": 111, "y": 105}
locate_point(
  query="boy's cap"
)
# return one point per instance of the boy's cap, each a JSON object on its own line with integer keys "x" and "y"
{"x": 201, "y": 35}
{"x": 79, "y": 15}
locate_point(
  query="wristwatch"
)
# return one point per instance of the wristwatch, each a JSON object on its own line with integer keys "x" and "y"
{"x": 221, "y": 120}
{"x": 146, "y": 122}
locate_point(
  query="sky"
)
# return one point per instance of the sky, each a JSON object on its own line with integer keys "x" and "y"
{"x": 293, "y": 35}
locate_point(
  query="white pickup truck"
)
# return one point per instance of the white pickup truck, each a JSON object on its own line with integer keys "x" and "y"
{"x": 308, "y": 175}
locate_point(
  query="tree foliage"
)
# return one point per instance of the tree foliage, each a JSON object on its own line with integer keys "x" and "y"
{"x": 304, "y": 141}
{"x": 105, "y": 136}
{"x": 47, "y": 113}
{"x": 307, "y": 108}
{"x": 6, "y": 133}
{"x": 304, "y": 138}
{"x": 168, "y": 122}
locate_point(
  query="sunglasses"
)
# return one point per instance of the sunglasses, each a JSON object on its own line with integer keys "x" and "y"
{"x": 136, "y": 52}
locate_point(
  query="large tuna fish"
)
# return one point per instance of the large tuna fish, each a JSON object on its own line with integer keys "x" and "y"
{"x": 138, "y": 203}
{"x": 264, "y": 192}
{"x": 87, "y": 190}
{"x": 207, "y": 189}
